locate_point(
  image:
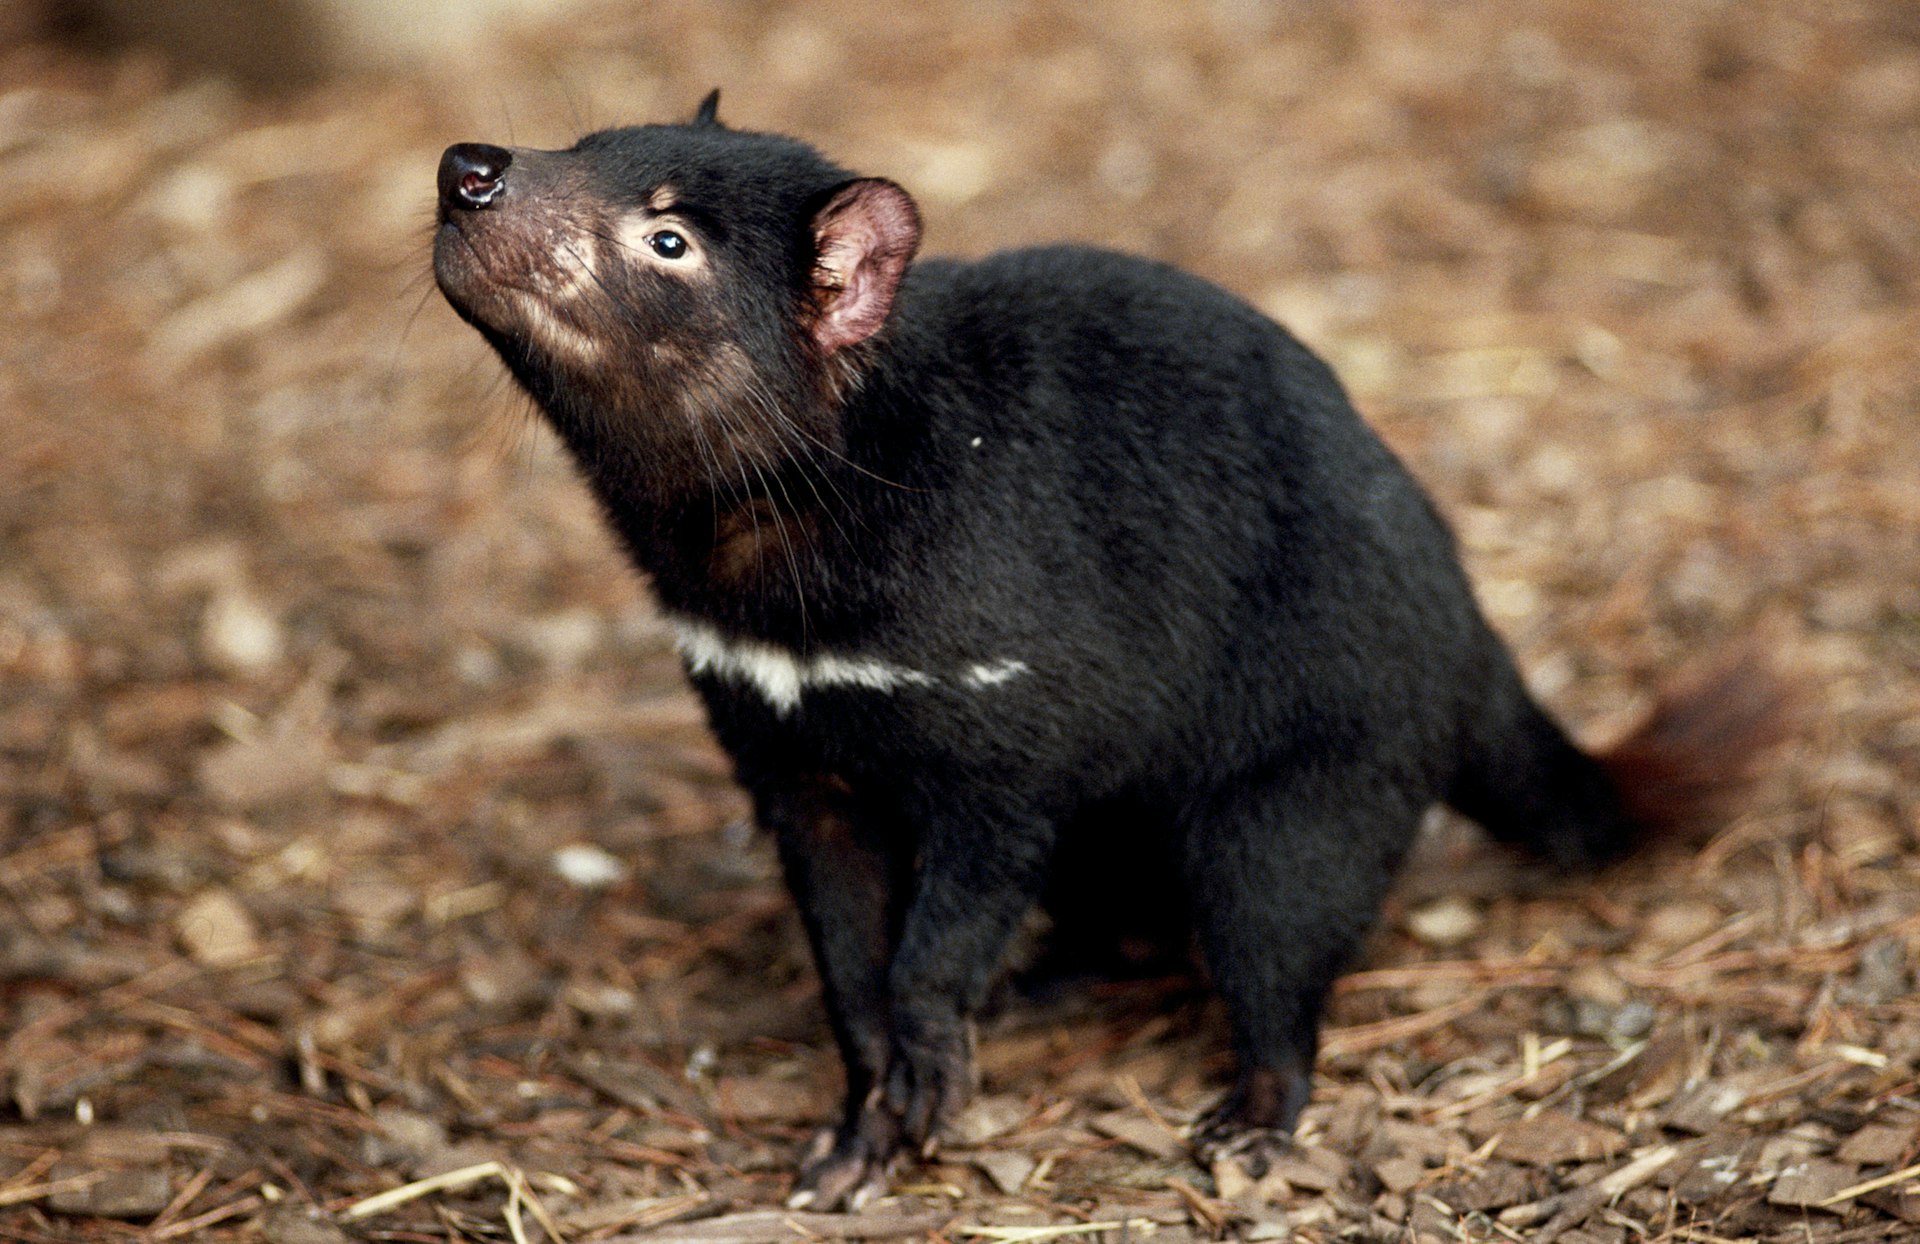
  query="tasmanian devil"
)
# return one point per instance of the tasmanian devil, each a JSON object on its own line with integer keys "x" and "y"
{"x": 1055, "y": 577}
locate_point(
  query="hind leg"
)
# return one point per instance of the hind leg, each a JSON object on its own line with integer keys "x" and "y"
{"x": 1285, "y": 879}
{"x": 1527, "y": 783}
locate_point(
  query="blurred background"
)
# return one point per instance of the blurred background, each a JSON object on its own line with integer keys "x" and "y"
{"x": 355, "y": 821}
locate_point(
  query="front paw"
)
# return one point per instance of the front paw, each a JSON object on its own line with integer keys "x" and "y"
{"x": 930, "y": 1077}
{"x": 847, "y": 1166}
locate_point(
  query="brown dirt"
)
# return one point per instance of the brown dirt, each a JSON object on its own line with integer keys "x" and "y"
{"x": 315, "y": 666}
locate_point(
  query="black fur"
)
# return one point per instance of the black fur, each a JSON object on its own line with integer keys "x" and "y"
{"x": 1249, "y": 659}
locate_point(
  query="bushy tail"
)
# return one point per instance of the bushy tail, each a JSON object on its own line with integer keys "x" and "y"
{"x": 1680, "y": 774}
{"x": 1686, "y": 769}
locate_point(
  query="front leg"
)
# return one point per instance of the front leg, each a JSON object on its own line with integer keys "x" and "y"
{"x": 981, "y": 869}
{"x": 850, "y": 880}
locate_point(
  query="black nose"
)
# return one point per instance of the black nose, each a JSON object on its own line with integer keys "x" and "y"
{"x": 471, "y": 175}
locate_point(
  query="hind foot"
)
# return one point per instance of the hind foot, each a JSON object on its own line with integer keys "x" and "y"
{"x": 1254, "y": 1125}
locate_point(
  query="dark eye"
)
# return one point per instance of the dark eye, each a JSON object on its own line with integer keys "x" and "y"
{"x": 667, "y": 244}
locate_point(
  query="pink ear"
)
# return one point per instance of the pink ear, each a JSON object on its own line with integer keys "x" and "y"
{"x": 863, "y": 239}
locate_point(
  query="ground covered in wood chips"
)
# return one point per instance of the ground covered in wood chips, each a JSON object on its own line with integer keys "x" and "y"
{"x": 356, "y": 827}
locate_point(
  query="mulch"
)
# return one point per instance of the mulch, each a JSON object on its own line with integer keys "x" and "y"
{"x": 366, "y": 872}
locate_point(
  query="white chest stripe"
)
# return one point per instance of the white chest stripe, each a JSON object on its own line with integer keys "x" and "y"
{"x": 993, "y": 673}
{"x": 781, "y": 676}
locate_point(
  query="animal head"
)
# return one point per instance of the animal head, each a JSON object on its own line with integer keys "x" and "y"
{"x": 680, "y": 291}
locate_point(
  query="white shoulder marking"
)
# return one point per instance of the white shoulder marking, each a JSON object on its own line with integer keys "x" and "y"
{"x": 993, "y": 673}
{"x": 774, "y": 672}
{"x": 781, "y": 676}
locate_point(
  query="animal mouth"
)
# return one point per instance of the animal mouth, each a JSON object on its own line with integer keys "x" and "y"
{"x": 462, "y": 270}
{"x": 516, "y": 302}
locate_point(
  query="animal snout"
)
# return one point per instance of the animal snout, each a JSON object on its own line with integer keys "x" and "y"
{"x": 472, "y": 175}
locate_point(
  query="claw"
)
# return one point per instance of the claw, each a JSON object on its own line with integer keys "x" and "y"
{"x": 817, "y": 1148}
{"x": 846, "y": 1167}
{"x": 927, "y": 1082}
{"x": 871, "y": 1189}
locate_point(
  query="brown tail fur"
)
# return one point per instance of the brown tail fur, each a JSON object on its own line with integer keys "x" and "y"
{"x": 1687, "y": 768}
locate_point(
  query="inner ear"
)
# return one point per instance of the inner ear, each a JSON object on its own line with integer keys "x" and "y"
{"x": 863, "y": 238}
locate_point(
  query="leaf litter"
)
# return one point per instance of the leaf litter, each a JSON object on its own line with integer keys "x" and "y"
{"x": 360, "y": 843}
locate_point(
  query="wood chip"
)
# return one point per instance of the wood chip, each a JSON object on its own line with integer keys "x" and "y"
{"x": 633, "y": 1212}
{"x": 640, "y": 1085}
{"x": 986, "y": 1118}
{"x": 240, "y": 635}
{"x": 407, "y": 1135}
{"x": 1361, "y": 1038}
{"x": 1653, "y": 354}
{"x": 777, "y": 1226}
{"x": 1551, "y": 1138}
{"x": 1719, "y": 1165}
{"x": 1561, "y": 1213}
{"x": 237, "y": 308}
{"x": 217, "y": 931}
{"x": 1656, "y": 1072}
{"x": 1895, "y": 1202}
{"x": 1315, "y": 1173}
{"x": 1497, "y": 1186}
{"x": 1906, "y": 1175}
{"x": 1399, "y": 1174}
{"x": 1876, "y": 1144}
{"x": 1009, "y": 1169}
{"x": 1813, "y": 1184}
{"x": 1700, "y": 1110}
{"x": 299, "y": 1224}
{"x": 1211, "y": 1215}
{"x": 1140, "y": 1132}
{"x": 118, "y": 1194}
{"x": 766, "y": 1098}
{"x": 1444, "y": 922}
{"x": 1230, "y": 1180}
{"x": 271, "y": 768}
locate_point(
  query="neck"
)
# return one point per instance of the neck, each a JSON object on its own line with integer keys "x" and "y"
{"x": 751, "y": 509}
{"x": 750, "y": 543}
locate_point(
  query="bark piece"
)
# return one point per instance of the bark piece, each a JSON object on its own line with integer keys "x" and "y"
{"x": 1876, "y": 1144}
{"x": 1499, "y": 1185}
{"x": 1805, "y": 1185}
{"x": 987, "y": 1118}
{"x": 1007, "y": 1168}
{"x": 1551, "y": 1138}
{"x": 139, "y": 1193}
{"x": 1142, "y": 1133}
{"x": 778, "y": 1226}
{"x": 216, "y": 931}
